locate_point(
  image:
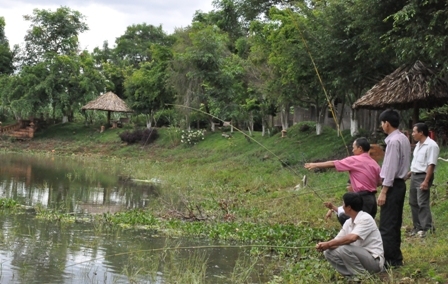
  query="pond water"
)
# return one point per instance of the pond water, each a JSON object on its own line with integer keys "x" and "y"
{"x": 33, "y": 250}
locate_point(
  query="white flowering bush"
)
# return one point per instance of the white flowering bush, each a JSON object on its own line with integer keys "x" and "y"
{"x": 192, "y": 137}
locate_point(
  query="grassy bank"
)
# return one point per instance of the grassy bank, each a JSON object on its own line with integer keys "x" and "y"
{"x": 246, "y": 189}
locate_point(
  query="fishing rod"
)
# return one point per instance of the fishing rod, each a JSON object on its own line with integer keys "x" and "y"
{"x": 192, "y": 248}
{"x": 327, "y": 97}
{"x": 304, "y": 180}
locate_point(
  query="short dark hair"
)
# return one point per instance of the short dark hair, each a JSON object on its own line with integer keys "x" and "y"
{"x": 363, "y": 143}
{"x": 354, "y": 200}
{"x": 422, "y": 127}
{"x": 390, "y": 116}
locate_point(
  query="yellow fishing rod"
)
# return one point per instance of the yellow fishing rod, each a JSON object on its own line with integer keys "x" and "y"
{"x": 327, "y": 97}
{"x": 252, "y": 139}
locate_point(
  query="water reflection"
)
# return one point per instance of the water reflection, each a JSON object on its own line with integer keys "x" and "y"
{"x": 61, "y": 183}
{"x": 38, "y": 251}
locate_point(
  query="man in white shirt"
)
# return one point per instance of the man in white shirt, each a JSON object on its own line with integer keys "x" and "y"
{"x": 423, "y": 166}
{"x": 358, "y": 247}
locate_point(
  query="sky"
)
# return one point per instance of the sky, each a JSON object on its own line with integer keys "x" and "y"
{"x": 107, "y": 19}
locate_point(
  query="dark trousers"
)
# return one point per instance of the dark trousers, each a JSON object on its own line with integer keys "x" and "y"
{"x": 391, "y": 218}
{"x": 369, "y": 206}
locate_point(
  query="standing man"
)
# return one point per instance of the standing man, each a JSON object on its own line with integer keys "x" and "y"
{"x": 364, "y": 173}
{"x": 358, "y": 248}
{"x": 391, "y": 198}
{"x": 423, "y": 166}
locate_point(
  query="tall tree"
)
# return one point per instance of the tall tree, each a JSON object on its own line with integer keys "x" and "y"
{"x": 135, "y": 45}
{"x": 52, "y": 33}
{"x": 200, "y": 54}
{"x": 6, "y": 55}
{"x": 147, "y": 89}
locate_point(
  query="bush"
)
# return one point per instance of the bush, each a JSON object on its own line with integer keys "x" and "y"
{"x": 142, "y": 136}
{"x": 192, "y": 137}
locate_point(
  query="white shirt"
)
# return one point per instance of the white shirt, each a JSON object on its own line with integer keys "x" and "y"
{"x": 369, "y": 236}
{"x": 424, "y": 155}
{"x": 340, "y": 211}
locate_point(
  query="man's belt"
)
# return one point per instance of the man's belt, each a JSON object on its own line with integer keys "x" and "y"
{"x": 365, "y": 192}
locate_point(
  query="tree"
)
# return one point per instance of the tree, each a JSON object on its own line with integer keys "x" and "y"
{"x": 420, "y": 32}
{"x": 197, "y": 68}
{"x": 147, "y": 88}
{"x": 6, "y": 55}
{"x": 134, "y": 46}
{"x": 52, "y": 33}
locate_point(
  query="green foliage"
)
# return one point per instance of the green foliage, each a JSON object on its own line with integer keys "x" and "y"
{"x": 6, "y": 203}
{"x": 52, "y": 33}
{"x": 192, "y": 137}
{"x": 167, "y": 117}
{"x": 6, "y": 55}
{"x": 420, "y": 32}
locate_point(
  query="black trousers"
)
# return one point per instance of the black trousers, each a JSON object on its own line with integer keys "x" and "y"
{"x": 369, "y": 206}
{"x": 391, "y": 218}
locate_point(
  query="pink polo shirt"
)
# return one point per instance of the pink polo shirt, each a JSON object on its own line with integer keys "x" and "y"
{"x": 364, "y": 171}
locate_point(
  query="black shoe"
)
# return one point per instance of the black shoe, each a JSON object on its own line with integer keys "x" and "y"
{"x": 393, "y": 264}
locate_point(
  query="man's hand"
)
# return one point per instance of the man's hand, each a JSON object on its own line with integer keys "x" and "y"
{"x": 381, "y": 199}
{"x": 408, "y": 176}
{"x": 329, "y": 213}
{"x": 330, "y": 205}
{"x": 322, "y": 246}
{"x": 424, "y": 185}
{"x": 310, "y": 166}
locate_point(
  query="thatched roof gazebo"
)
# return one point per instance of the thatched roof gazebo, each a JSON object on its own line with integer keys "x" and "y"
{"x": 416, "y": 86}
{"x": 109, "y": 102}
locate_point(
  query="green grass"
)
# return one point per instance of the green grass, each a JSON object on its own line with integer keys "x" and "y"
{"x": 244, "y": 190}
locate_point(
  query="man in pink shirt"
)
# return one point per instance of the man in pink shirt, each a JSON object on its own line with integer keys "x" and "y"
{"x": 364, "y": 173}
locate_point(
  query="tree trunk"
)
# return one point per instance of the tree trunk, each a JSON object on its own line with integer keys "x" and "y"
{"x": 320, "y": 119}
{"x": 251, "y": 122}
{"x": 263, "y": 126}
{"x": 148, "y": 121}
{"x": 354, "y": 127}
{"x": 212, "y": 124}
{"x": 284, "y": 117}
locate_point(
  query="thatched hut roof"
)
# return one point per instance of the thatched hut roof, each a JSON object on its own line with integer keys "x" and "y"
{"x": 108, "y": 101}
{"x": 415, "y": 86}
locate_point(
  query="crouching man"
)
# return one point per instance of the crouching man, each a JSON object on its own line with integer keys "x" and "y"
{"x": 358, "y": 248}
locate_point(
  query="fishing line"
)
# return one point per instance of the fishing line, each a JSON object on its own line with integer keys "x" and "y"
{"x": 249, "y": 137}
{"x": 333, "y": 189}
{"x": 190, "y": 247}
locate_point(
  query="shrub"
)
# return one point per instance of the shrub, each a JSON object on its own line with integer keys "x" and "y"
{"x": 142, "y": 136}
{"x": 192, "y": 137}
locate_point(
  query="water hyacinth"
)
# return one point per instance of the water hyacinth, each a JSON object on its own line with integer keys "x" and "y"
{"x": 192, "y": 137}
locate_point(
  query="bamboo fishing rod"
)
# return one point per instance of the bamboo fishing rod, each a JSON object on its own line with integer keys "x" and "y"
{"x": 254, "y": 140}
